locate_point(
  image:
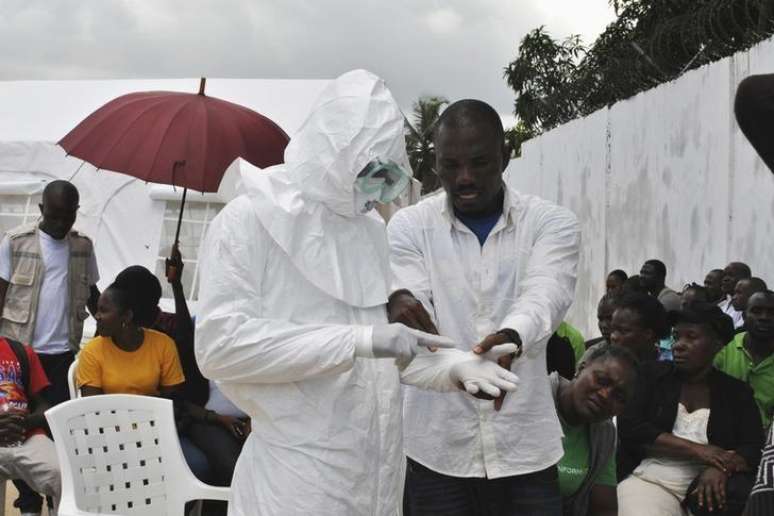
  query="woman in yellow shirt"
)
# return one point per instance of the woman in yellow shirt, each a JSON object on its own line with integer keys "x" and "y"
{"x": 125, "y": 358}
{"x": 128, "y": 359}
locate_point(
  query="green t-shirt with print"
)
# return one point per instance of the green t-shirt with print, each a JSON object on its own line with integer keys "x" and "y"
{"x": 574, "y": 465}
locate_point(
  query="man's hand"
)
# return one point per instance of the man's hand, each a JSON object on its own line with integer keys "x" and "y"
{"x": 12, "y": 427}
{"x": 479, "y": 375}
{"x": 735, "y": 462}
{"x": 711, "y": 489}
{"x": 235, "y": 426}
{"x": 174, "y": 267}
{"x": 484, "y": 348}
{"x": 403, "y": 307}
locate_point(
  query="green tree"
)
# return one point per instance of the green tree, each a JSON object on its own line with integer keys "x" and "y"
{"x": 515, "y": 136}
{"x": 419, "y": 140}
{"x": 650, "y": 42}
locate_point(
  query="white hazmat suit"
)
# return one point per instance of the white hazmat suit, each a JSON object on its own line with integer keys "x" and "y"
{"x": 294, "y": 281}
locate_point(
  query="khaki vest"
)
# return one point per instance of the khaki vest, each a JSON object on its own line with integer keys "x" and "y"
{"x": 21, "y": 299}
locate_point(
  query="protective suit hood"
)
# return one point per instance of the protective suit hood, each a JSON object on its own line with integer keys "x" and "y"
{"x": 307, "y": 204}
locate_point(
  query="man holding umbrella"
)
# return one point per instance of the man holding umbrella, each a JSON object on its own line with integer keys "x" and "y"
{"x": 292, "y": 321}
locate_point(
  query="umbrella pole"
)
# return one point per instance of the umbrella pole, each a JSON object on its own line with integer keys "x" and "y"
{"x": 179, "y": 220}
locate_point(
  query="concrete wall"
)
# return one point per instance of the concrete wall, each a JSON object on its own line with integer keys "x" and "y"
{"x": 666, "y": 174}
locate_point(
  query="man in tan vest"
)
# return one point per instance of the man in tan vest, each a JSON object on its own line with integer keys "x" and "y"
{"x": 48, "y": 276}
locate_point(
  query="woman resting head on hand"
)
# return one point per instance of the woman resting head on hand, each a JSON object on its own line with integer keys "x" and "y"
{"x": 586, "y": 405}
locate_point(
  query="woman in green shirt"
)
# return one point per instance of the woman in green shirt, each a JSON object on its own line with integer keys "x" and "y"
{"x": 586, "y": 406}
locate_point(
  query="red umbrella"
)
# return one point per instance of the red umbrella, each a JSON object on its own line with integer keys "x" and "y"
{"x": 179, "y": 139}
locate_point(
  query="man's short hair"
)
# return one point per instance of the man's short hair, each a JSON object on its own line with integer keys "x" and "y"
{"x": 467, "y": 110}
{"x": 742, "y": 268}
{"x": 61, "y": 188}
{"x": 756, "y": 284}
{"x": 659, "y": 267}
{"x": 618, "y": 273}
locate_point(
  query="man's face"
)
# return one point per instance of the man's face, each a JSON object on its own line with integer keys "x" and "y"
{"x": 605, "y": 319}
{"x": 759, "y": 316}
{"x": 712, "y": 282}
{"x": 58, "y": 216}
{"x": 742, "y": 293}
{"x": 470, "y": 160}
{"x": 731, "y": 275}
{"x": 613, "y": 283}
{"x": 648, "y": 276}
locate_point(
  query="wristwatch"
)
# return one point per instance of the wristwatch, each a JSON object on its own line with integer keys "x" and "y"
{"x": 513, "y": 336}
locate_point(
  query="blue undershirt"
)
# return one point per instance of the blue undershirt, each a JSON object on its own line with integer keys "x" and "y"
{"x": 480, "y": 226}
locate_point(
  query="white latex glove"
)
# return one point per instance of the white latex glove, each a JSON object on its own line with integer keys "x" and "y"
{"x": 481, "y": 373}
{"x": 400, "y": 342}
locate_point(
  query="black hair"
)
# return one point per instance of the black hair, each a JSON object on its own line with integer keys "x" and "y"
{"x": 604, "y": 351}
{"x": 700, "y": 289}
{"x": 618, "y": 273}
{"x": 650, "y": 311}
{"x": 467, "y": 110}
{"x": 757, "y": 284}
{"x": 742, "y": 268}
{"x": 145, "y": 289}
{"x": 610, "y": 298}
{"x": 659, "y": 266}
{"x": 65, "y": 189}
{"x": 124, "y": 299}
{"x": 768, "y": 294}
{"x": 633, "y": 284}
{"x": 720, "y": 271}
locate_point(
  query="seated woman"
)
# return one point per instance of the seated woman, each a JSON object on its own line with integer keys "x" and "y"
{"x": 586, "y": 406}
{"x": 205, "y": 416}
{"x": 126, "y": 358}
{"x": 639, "y": 322}
{"x": 691, "y": 435}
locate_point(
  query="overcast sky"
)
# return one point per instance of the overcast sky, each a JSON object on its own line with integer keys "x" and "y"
{"x": 454, "y": 48}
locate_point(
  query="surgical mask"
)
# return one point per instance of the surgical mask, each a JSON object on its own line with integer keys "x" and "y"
{"x": 379, "y": 182}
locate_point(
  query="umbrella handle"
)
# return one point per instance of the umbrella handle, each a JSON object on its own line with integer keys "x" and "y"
{"x": 180, "y": 220}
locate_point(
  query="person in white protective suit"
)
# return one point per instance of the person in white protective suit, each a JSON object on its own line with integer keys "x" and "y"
{"x": 292, "y": 321}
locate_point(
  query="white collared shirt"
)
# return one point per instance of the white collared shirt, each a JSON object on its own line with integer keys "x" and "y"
{"x": 523, "y": 278}
{"x": 728, "y": 308}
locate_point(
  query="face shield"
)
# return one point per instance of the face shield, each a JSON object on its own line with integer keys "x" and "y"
{"x": 379, "y": 182}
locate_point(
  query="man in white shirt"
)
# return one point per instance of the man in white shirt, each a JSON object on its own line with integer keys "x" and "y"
{"x": 713, "y": 285}
{"x": 733, "y": 272}
{"x": 483, "y": 264}
{"x": 48, "y": 275}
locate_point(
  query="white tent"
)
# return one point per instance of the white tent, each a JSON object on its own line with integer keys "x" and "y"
{"x": 131, "y": 222}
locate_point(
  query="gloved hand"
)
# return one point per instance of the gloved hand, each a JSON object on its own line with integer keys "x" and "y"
{"x": 399, "y": 342}
{"x": 481, "y": 373}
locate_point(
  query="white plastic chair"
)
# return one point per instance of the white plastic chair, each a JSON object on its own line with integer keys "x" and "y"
{"x": 74, "y": 391}
{"x": 120, "y": 454}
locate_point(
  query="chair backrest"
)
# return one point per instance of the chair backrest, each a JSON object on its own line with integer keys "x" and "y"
{"x": 120, "y": 454}
{"x": 74, "y": 391}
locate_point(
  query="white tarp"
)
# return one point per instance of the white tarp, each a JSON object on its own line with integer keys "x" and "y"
{"x": 124, "y": 216}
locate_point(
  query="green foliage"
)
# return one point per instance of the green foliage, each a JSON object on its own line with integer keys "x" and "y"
{"x": 419, "y": 140}
{"x": 650, "y": 42}
{"x": 515, "y": 136}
